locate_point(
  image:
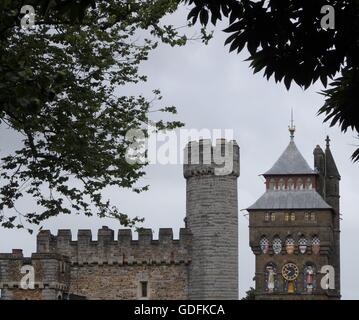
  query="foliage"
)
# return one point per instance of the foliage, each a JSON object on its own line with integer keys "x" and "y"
{"x": 62, "y": 87}
{"x": 250, "y": 294}
{"x": 287, "y": 41}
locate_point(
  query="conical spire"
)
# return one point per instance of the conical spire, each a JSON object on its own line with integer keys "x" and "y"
{"x": 331, "y": 167}
{"x": 290, "y": 162}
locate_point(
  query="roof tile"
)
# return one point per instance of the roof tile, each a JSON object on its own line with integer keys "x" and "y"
{"x": 290, "y": 162}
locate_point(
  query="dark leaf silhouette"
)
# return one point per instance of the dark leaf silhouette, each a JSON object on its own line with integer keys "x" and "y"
{"x": 287, "y": 41}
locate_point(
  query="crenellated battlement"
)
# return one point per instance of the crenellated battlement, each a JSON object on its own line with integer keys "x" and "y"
{"x": 201, "y": 264}
{"x": 49, "y": 270}
{"x": 204, "y": 158}
{"x": 124, "y": 250}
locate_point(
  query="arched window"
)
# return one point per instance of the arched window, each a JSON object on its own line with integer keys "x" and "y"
{"x": 289, "y": 245}
{"x": 302, "y": 244}
{"x": 264, "y": 244}
{"x": 309, "y": 278}
{"x": 300, "y": 185}
{"x": 315, "y": 244}
{"x": 312, "y": 216}
{"x": 281, "y": 184}
{"x": 290, "y": 184}
{"x": 306, "y": 216}
{"x": 292, "y": 216}
{"x": 309, "y": 184}
{"x": 277, "y": 245}
{"x": 272, "y": 216}
{"x": 272, "y": 184}
{"x": 271, "y": 283}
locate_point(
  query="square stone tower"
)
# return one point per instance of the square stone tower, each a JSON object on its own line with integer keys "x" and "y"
{"x": 294, "y": 229}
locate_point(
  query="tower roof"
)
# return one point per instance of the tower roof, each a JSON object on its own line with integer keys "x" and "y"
{"x": 331, "y": 167}
{"x": 291, "y": 162}
{"x": 297, "y": 199}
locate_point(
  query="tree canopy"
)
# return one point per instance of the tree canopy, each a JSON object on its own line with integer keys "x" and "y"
{"x": 62, "y": 81}
{"x": 62, "y": 88}
{"x": 286, "y": 40}
{"x": 250, "y": 294}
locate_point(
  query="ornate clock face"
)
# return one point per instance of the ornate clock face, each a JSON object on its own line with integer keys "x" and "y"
{"x": 290, "y": 272}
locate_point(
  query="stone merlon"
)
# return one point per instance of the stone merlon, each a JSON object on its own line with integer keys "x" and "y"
{"x": 203, "y": 158}
{"x": 124, "y": 250}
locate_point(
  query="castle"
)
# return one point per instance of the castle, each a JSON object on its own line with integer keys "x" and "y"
{"x": 295, "y": 228}
{"x": 201, "y": 264}
{"x": 294, "y": 234}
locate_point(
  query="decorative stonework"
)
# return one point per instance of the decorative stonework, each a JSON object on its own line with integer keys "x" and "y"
{"x": 304, "y": 236}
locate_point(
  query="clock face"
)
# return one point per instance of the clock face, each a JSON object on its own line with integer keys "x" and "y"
{"x": 290, "y": 272}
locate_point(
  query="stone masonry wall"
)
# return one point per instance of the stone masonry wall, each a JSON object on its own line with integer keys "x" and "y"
{"x": 109, "y": 269}
{"x": 51, "y": 276}
{"x": 212, "y": 217}
{"x": 123, "y": 281}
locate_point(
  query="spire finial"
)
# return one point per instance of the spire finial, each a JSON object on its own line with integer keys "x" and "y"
{"x": 328, "y": 142}
{"x": 292, "y": 126}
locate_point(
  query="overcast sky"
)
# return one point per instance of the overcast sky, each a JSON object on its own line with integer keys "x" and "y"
{"x": 216, "y": 90}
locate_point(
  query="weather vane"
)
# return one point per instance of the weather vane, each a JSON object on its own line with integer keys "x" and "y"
{"x": 292, "y": 126}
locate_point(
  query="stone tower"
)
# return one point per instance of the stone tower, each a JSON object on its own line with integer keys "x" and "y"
{"x": 212, "y": 217}
{"x": 329, "y": 178}
{"x": 294, "y": 228}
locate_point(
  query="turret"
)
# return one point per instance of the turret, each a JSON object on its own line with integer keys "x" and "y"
{"x": 332, "y": 179}
{"x": 212, "y": 217}
{"x": 319, "y": 166}
{"x": 328, "y": 187}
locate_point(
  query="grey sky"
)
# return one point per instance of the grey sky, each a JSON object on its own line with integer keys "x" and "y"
{"x": 214, "y": 89}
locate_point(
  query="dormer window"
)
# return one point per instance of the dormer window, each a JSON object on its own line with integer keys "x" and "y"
{"x": 309, "y": 184}
{"x": 272, "y": 184}
{"x": 300, "y": 185}
{"x": 290, "y": 184}
{"x": 281, "y": 184}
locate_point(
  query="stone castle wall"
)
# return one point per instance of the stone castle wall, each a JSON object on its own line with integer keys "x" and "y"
{"x": 113, "y": 269}
{"x": 52, "y": 276}
{"x": 201, "y": 264}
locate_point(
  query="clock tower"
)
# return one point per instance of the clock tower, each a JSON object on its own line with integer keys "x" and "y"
{"x": 294, "y": 228}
